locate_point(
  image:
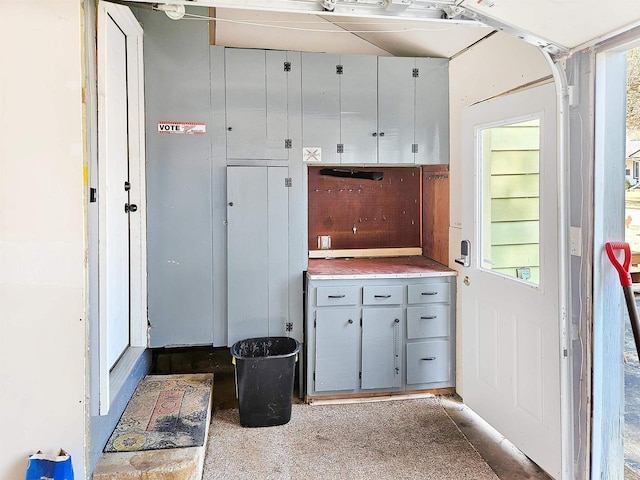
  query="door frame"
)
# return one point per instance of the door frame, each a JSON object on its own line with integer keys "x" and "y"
{"x": 112, "y": 380}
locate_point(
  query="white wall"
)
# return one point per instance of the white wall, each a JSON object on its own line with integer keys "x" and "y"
{"x": 42, "y": 234}
{"x": 491, "y": 67}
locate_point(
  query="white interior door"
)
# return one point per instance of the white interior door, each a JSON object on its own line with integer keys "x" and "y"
{"x": 114, "y": 172}
{"x": 510, "y": 314}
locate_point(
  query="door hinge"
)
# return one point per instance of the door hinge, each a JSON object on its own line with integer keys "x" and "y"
{"x": 340, "y": 148}
{"x": 360, "y": 375}
{"x": 416, "y": 72}
{"x": 287, "y": 143}
{"x": 93, "y": 195}
{"x": 414, "y": 148}
{"x": 289, "y": 327}
{"x": 314, "y": 376}
{"x": 287, "y": 182}
{"x": 314, "y": 324}
{"x": 339, "y": 69}
{"x": 287, "y": 66}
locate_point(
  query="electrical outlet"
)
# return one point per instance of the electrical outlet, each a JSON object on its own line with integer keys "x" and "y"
{"x": 575, "y": 241}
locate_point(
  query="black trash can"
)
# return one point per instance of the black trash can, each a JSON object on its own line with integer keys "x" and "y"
{"x": 265, "y": 371}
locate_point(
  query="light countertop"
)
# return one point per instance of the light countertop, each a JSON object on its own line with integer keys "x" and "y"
{"x": 376, "y": 267}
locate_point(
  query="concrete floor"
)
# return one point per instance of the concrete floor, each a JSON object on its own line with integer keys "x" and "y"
{"x": 506, "y": 460}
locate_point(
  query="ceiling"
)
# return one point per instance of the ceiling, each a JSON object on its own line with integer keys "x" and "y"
{"x": 440, "y": 28}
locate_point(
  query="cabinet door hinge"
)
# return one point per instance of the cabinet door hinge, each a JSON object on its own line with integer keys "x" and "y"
{"x": 314, "y": 376}
{"x": 339, "y": 69}
{"x": 287, "y": 143}
{"x": 414, "y": 148}
{"x": 288, "y": 183}
{"x": 340, "y": 148}
{"x": 416, "y": 72}
{"x": 314, "y": 324}
{"x": 360, "y": 375}
{"x": 287, "y": 66}
{"x": 289, "y": 327}
{"x": 93, "y": 195}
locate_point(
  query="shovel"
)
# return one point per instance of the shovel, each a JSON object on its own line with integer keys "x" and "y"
{"x": 625, "y": 281}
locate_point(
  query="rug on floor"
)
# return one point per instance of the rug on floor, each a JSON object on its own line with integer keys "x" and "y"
{"x": 406, "y": 439}
{"x": 165, "y": 411}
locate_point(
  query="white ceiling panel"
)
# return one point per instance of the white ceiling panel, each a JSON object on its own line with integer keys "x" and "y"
{"x": 287, "y": 31}
{"x": 565, "y": 22}
{"x": 415, "y": 38}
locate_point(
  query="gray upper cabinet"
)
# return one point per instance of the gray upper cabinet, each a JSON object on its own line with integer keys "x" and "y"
{"x": 359, "y": 109}
{"x": 256, "y": 104}
{"x": 396, "y": 109}
{"x": 339, "y": 118}
{"x": 321, "y": 105}
{"x": 413, "y": 110}
{"x": 432, "y": 111}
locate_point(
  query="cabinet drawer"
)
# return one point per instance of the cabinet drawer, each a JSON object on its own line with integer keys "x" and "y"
{"x": 430, "y": 321}
{"x": 382, "y": 295}
{"x": 428, "y": 293}
{"x": 326, "y": 296}
{"x": 428, "y": 362}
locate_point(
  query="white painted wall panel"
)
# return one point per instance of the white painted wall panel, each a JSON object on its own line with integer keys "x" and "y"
{"x": 42, "y": 234}
{"x": 499, "y": 64}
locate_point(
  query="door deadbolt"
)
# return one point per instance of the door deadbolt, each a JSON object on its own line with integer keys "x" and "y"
{"x": 130, "y": 207}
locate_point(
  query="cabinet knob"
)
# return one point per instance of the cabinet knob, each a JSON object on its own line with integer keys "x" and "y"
{"x": 375, "y": 134}
{"x": 382, "y": 134}
{"x": 229, "y": 128}
{"x": 350, "y": 321}
{"x": 397, "y": 320}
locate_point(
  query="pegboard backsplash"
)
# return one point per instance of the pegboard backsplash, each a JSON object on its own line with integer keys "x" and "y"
{"x": 362, "y": 213}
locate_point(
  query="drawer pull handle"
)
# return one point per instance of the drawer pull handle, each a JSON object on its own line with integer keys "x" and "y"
{"x": 337, "y": 296}
{"x": 428, "y": 358}
{"x": 382, "y": 296}
{"x": 430, "y": 317}
{"x": 429, "y": 293}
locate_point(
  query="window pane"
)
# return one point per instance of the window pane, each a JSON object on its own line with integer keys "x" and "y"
{"x": 510, "y": 224}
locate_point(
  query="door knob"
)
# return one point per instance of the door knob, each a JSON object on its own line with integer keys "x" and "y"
{"x": 130, "y": 207}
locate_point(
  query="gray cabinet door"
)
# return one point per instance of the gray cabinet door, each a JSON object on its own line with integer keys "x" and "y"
{"x": 396, "y": 91}
{"x": 428, "y": 362}
{"x": 381, "y": 347}
{"x": 257, "y": 248}
{"x": 337, "y": 348}
{"x": 321, "y": 105}
{"x": 432, "y": 111}
{"x": 256, "y": 103}
{"x": 358, "y": 109}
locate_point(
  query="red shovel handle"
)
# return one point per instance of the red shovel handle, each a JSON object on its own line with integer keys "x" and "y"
{"x": 623, "y": 269}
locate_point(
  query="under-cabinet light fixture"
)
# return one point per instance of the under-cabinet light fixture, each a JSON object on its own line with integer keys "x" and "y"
{"x": 337, "y": 172}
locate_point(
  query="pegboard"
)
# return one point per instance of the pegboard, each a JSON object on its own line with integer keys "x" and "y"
{"x": 361, "y": 213}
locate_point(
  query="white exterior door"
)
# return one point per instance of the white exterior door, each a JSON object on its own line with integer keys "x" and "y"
{"x": 510, "y": 314}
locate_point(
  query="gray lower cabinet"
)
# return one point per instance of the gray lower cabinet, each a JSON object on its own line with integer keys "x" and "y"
{"x": 379, "y": 335}
{"x": 337, "y": 340}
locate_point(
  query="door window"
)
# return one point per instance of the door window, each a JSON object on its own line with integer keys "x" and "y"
{"x": 510, "y": 191}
